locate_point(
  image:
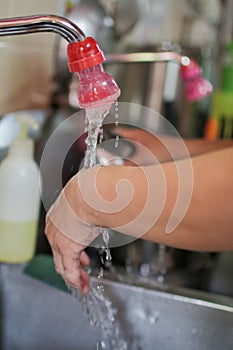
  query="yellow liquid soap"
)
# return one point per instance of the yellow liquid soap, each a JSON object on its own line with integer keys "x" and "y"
{"x": 17, "y": 241}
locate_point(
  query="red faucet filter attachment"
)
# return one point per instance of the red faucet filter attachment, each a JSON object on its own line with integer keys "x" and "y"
{"x": 196, "y": 87}
{"x": 96, "y": 87}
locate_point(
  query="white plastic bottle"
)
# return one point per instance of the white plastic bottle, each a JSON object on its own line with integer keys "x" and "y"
{"x": 19, "y": 199}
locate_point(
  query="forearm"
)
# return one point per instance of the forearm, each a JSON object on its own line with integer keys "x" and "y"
{"x": 169, "y": 148}
{"x": 208, "y": 222}
{"x": 206, "y": 226}
{"x": 200, "y": 146}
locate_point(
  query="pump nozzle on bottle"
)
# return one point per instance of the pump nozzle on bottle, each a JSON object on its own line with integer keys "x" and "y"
{"x": 25, "y": 121}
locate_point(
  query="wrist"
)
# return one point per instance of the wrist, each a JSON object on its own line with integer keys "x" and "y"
{"x": 113, "y": 196}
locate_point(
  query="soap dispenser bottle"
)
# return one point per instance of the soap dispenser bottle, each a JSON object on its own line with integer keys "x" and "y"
{"x": 19, "y": 198}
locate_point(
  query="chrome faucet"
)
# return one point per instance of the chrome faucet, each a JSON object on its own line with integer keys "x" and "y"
{"x": 41, "y": 23}
{"x": 84, "y": 56}
{"x": 88, "y": 55}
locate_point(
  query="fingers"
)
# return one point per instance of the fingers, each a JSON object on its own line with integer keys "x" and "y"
{"x": 133, "y": 134}
{"x": 58, "y": 262}
{"x": 69, "y": 259}
{"x": 85, "y": 282}
{"x": 84, "y": 259}
{"x": 74, "y": 274}
{"x": 70, "y": 267}
{"x": 106, "y": 158}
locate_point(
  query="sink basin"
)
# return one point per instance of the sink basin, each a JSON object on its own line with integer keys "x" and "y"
{"x": 36, "y": 316}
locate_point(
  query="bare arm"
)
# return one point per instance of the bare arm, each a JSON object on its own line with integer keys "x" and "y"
{"x": 206, "y": 226}
{"x": 157, "y": 144}
{"x": 115, "y": 196}
{"x": 201, "y": 146}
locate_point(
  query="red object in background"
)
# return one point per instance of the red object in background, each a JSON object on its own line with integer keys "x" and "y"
{"x": 196, "y": 87}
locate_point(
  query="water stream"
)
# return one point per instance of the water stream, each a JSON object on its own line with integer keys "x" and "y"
{"x": 96, "y": 305}
{"x": 162, "y": 271}
{"x": 94, "y": 120}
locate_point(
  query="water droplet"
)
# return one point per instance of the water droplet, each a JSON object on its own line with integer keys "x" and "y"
{"x": 153, "y": 318}
{"x": 108, "y": 254}
{"x": 194, "y": 330}
{"x": 117, "y": 141}
{"x": 145, "y": 269}
{"x": 100, "y": 345}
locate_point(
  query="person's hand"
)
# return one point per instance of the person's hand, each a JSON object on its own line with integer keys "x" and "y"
{"x": 149, "y": 148}
{"x": 69, "y": 234}
{"x": 69, "y": 257}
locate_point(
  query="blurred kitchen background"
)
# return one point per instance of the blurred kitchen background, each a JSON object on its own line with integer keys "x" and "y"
{"x": 34, "y": 77}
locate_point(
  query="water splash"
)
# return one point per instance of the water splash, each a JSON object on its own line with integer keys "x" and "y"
{"x": 101, "y": 313}
{"x": 105, "y": 234}
{"x": 98, "y": 308}
{"x": 94, "y": 119}
{"x": 117, "y": 141}
{"x": 162, "y": 271}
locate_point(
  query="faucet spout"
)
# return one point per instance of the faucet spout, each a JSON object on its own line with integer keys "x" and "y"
{"x": 41, "y": 23}
{"x": 84, "y": 55}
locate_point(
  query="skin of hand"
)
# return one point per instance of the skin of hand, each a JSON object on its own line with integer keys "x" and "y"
{"x": 207, "y": 225}
{"x": 62, "y": 225}
{"x": 70, "y": 259}
{"x": 143, "y": 139}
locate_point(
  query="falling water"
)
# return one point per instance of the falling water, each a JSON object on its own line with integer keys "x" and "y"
{"x": 94, "y": 119}
{"x": 95, "y": 304}
{"x": 161, "y": 263}
{"x": 101, "y": 313}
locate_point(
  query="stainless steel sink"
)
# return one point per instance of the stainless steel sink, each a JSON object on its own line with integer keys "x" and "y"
{"x": 36, "y": 316}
